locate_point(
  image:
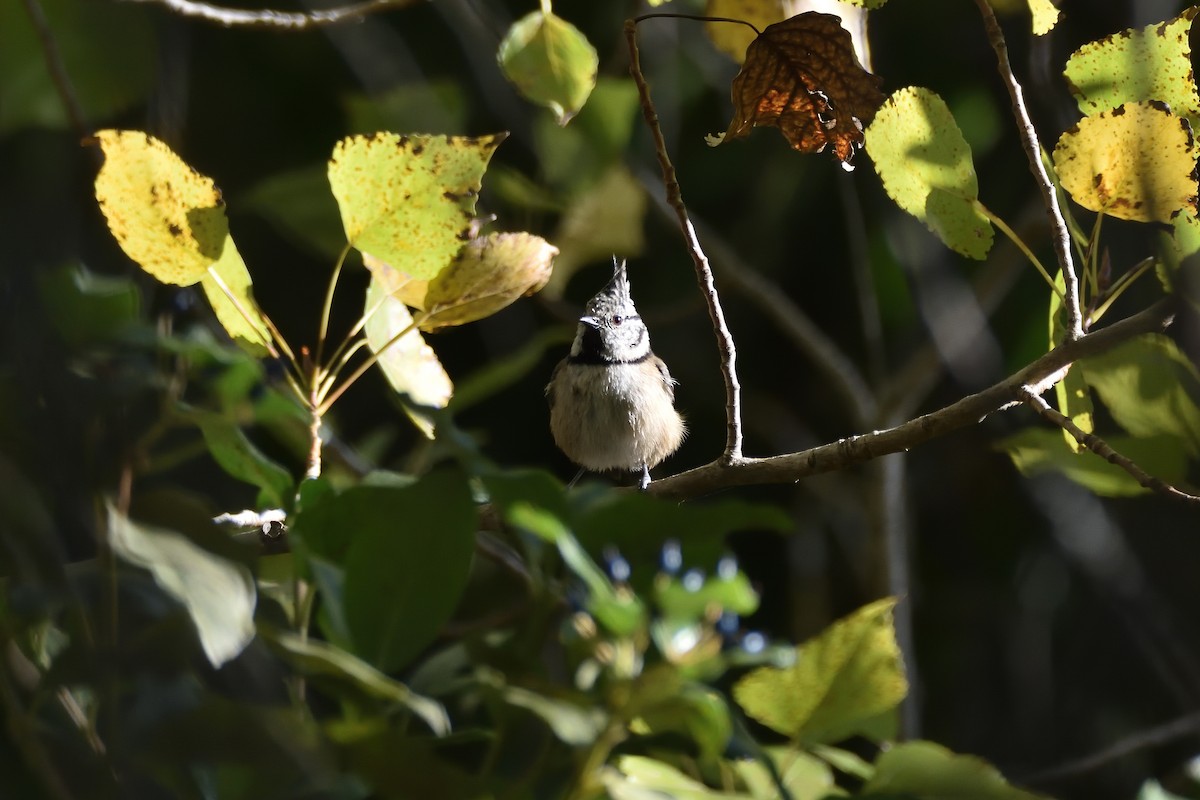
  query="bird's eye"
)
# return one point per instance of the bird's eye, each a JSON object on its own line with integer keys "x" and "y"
{"x": 617, "y": 319}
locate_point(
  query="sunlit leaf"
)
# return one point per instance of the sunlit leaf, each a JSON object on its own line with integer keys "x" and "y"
{"x": 409, "y": 200}
{"x": 1137, "y": 65}
{"x": 804, "y": 775}
{"x": 928, "y": 771}
{"x": 1045, "y": 16}
{"x": 411, "y": 366}
{"x": 236, "y": 310}
{"x": 695, "y": 711}
{"x": 925, "y": 165}
{"x": 733, "y": 39}
{"x": 487, "y": 275}
{"x": 1074, "y": 399}
{"x": 322, "y": 661}
{"x": 604, "y": 220}
{"x": 218, "y": 594}
{"x": 1135, "y": 162}
{"x": 167, "y": 217}
{"x": 643, "y": 778}
{"x": 550, "y": 61}
{"x": 1149, "y": 387}
{"x": 842, "y": 680}
{"x": 803, "y": 77}
{"x": 572, "y": 722}
{"x": 1038, "y": 450}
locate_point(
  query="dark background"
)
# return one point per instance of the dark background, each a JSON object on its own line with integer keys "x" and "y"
{"x": 1047, "y": 623}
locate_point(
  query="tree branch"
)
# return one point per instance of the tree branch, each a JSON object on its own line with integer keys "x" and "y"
{"x": 277, "y": 20}
{"x": 58, "y": 69}
{"x": 791, "y": 467}
{"x": 733, "y": 390}
{"x": 1033, "y": 152}
{"x": 1101, "y": 447}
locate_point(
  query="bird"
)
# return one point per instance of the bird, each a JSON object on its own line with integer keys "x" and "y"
{"x": 612, "y": 400}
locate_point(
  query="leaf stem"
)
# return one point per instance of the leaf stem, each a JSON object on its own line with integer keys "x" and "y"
{"x": 1118, "y": 289}
{"x": 696, "y": 18}
{"x": 1020, "y": 243}
{"x": 325, "y": 403}
{"x": 326, "y": 309}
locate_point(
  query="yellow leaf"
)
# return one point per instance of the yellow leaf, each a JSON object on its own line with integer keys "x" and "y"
{"x": 409, "y": 200}
{"x": 167, "y": 217}
{"x": 488, "y": 274}
{"x": 237, "y": 312}
{"x": 1136, "y": 162}
{"x": 733, "y": 39}
{"x": 1045, "y": 16}
{"x": 411, "y": 366}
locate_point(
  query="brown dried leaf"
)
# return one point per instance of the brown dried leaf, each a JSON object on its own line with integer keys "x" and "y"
{"x": 802, "y": 76}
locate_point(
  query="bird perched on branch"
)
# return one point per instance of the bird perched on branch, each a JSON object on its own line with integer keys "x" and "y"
{"x": 612, "y": 401}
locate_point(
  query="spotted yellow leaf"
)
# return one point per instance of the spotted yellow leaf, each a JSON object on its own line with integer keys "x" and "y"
{"x": 409, "y": 200}
{"x": 167, "y": 217}
{"x": 1136, "y": 162}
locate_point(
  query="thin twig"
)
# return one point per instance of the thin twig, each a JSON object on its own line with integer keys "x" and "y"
{"x": 1100, "y": 447}
{"x": 791, "y": 467}
{"x": 1142, "y": 740}
{"x": 58, "y": 69}
{"x": 733, "y": 397}
{"x": 277, "y": 20}
{"x": 1033, "y": 152}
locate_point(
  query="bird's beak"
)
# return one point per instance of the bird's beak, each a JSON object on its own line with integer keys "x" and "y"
{"x": 590, "y": 321}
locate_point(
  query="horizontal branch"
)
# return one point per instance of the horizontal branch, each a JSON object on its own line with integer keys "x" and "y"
{"x": 277, "y": 20}
{"x": 791, "y": 467}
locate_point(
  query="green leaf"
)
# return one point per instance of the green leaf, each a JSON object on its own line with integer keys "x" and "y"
{"x": 505, "y": 370}
{"x": 410, "y": 365}
{"x": 236, "y": 309}
{"x": 108, "y": 51}
{"x": 622, "y": 613}
{"x": 732, "y": 594}
{"x": 409, "y": 200}
{"x": 1134, "y": 162}
{"x": 803, "y": 775}
{"x": 407, "y": 563}
{"x": 574, "y": 724}
{"x": 218, "y": 594}
{"x": 926, "y": 770}
{"x": 642, "y": 778}
{"x": 1153, "y": 63}
{"x": 841, "y": 682}
{"x": 696, "y": 712}
{"x": 1037, "y": 450}
{"x": 1074, "y": 399}
{"x": 238, "y": 456}
{"x": 431, "y": 104}
{"x": 167, "y": 217}
{"x": 323, "y": 662}
{"x": 550, "y": 62}
{"x": 1150, "y": 388}
{"x": 572, "y": 158}
{"x": 925, "y": 165}
{"x": 85, "y": 307}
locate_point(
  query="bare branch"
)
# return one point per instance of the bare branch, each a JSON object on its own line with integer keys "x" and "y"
{"x": 277, "y": 20}
{"x": 1142, "y": 740}
{"x": 58, "y": 69}
{"x": 1100, "y": 447}
{"x": 790, "y": 319}
{"x": 733, "y": 390}
{"x": 791, "y": 467}
{"x": 1033, "y": 152}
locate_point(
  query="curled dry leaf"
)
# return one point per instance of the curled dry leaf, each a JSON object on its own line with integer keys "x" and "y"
{"x": 802, "y": 76}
